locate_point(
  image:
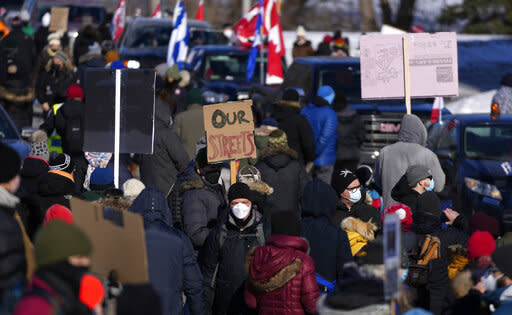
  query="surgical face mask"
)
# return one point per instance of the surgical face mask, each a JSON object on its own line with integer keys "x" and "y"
{"x": 241, "y": 210}
{"x": 490, "y": 281}
{"x": 431, "y": 186}
{"x": 355, "y": 195}
{"x": 228, "y": 33}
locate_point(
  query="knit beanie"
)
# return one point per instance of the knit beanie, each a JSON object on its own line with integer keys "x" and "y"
{"x": 415, "y": 173}
{"x": 341, "y": 180}
{"x": 138, "y": 299}
{"x": 481, "y": 243}
{"x": 59, "y": 240}
{"x": 173, "y": 72}
{"x": 483, "y": 222}
{"x": 301, "y": 31}
{"x": 286, "y": 223}
{"x": 111, "y": 56}
{"x": 132, "y": 188}
{"x": 11, "y": 163}
{"x": 62, "y": 162}
{"x": 58, "y": 212}
{"x": 39, "y": 145}
{"x": 101, "y": 179}
{"x": 239, "y": 190}
{"x": 194, "y": 96}
{"x": 75, "y": 91}
{"x": 61, "y": 55}
{"x": 327, "y": 93}
{"x": 162, "y": 70}
{"x": 277, "y": 139}
{"x": 430, "y": 203}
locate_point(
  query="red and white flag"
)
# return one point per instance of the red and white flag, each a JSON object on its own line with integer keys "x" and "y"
{"x": 436, "y": 109}
{"x": 118, "y": 20}
{"x": 200, "y": 11}
{"x": 157, "y": 14}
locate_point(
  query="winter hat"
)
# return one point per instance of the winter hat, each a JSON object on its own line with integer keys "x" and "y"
{"x": 62, "y": 162}
{"x": 58, "y": 212}
{"x": 341, "y": 180}
{"x": 117, "y": 65}
{"x": 327, "y": 93}
{"x": 39, "y": 145}
{"x": 429, "y": 202}
{"x": 25, "y": 16}
{"x": 61, "y": 56}
{"x": 59, "y": 240}
{"x": 239, "y": 190}
{"x": 415, "y": 173}
{"x": 45, "y": 20}
{"x": 111, "y": 56}
{"x": 365, "y": 175}
{"x": 404, "y": 214}
{"x": 162, "y": 70}
{"x": 54, "y": 39}
{"x": 301, "y": 31}
{"x": 101, "y": 179}
{"x": 75, "y": 91}
{"x": 94, "y": 49}
{"x": 339, "y": 43}
{"x": 502, "y": 257}
{"x": 11, "y": 163}
{"x": 269, "y": 121}
{"x": 138, "y": 299}
{"x": 173, "y": 72}
{"x": 483, "y": 222}
{"x": 290, "y": 95}
{"x": 286, "y": 223}
{"x": 91, "y": 291}
{"x": 327, "y": 39}
{"x": 194, "y": 96}
{"x": 481, "y": 243}
{"x": 132, "y": 188}
{"x": 277, "y": 139}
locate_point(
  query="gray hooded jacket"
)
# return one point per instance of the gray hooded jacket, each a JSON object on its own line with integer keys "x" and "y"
{"x": 410, "y": 150}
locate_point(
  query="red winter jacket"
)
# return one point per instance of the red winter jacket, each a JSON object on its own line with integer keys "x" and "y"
{"x": 281, "y": 277}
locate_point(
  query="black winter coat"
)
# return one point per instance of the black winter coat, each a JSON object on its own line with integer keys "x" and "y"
{"x": 297, "y": 128}
{"x": 330, "y": 248}
{"x": 21, "y": 48}
{"x": 342, "y": 211}
{"x": 41, "y": 38}
{"x": 56, "y": 187}
{"x": 438, "y": 294}
{"x": 70, "y": 109}
{"x": 281, "y": 170}
{"x": 405, "y": 194}
{"x": 172, "y": 264}
{"x": 229, "y": 284}
{"x": 351, "y": 134}
{"x": 52, "y": 84}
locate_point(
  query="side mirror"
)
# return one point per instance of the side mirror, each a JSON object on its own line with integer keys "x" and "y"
{"x": 448, "y": 154}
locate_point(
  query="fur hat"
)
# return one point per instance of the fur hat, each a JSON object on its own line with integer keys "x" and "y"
{"x": 39, "y": 145}
{"x": 11, "y": 163}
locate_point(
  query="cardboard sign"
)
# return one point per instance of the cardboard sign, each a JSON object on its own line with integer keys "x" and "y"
{"x": 59, "y": 20}
{"x": 137, "y": 111}
{"x": 229, "y": 131}
{"x": 432, "y": 61}
{"x": 118, "y": 241}
{"x": 392, "y": 230}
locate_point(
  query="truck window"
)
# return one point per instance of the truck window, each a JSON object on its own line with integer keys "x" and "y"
{"x": 346, "y": 79}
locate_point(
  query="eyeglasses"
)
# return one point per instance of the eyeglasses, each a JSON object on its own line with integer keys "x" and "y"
{"x": 354, "y": 189}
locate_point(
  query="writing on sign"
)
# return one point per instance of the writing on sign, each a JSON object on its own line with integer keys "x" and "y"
{"x": 229, "y": 131}
{"x": 59, "y": 20}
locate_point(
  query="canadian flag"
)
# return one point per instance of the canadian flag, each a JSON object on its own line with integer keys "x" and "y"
{"x": 200, "y": 11}
{"x": 118, "y": 20}
{"x": 244, "y": 31}
{"x": 157, "y": 14}
{"x": 436, "y": 109}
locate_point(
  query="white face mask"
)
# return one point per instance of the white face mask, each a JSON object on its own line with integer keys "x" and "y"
{"x": 490, "y": 281}
{"x": 241, "y": 211}
{"x": 355, "y": 196}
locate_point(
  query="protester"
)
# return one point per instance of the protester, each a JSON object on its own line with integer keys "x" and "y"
{"x": 261, "y": 135}
{"x": 41, "y": 35}
{"x": 87, "y": 35}
{"x": 102, "y": 178}
{"x": 51, "y": 45}
{"x": 222, "y": 259}
{"x": 302, "y": 47}
{"x": 59, "y": 185}
{"x": 189, "y": 125}
{"x": 322, "y": 119}
{"x": 501, "y": 258}
{"x": 132, "y": 188}
{"x": 339, "y": 48}
{"x": 25, "y": 21}
{"x": 329, "y": 244}
{"x": 89, "y": 60}
{"x": 410, "y": 150}
{"x": 296, "y": 126}
{"x": 280, "y": 169}
{"x": 503, "y": 96}
{"x": 69, "y": 121}
{"x": 324, "y": 48}
{"x": 416, "y": 180}
{"x": 172, "y": 266}
{"x": 178, "y": 95}
{"x": 281, "y": 275}
{"x": 251, "y": 176}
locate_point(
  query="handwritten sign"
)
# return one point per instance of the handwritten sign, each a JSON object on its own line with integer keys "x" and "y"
{"x": 229, "y": 131}
{"x": 432, "y": 62}
{"x": 59, "y": 20}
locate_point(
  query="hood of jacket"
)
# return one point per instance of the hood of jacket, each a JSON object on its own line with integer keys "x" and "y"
{"x": 152, "y": 205}
{"x": 260, "y": 187}
{"x": 319, "y": 101}
{"x": 412, "y": 130}
{"x": 318, "y": 200}
{"x": 72, "y": 108}
{"x": 34, "y": 167}
{"x": 278, "y": 158}
{"x": 115, "y": 203}
{"x": 272, "y": 266}
{"x": 57, "y": 184}
{"x": 402, "y": 189}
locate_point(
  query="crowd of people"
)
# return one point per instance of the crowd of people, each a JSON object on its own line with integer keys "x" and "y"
{"x": 300, "y": 232}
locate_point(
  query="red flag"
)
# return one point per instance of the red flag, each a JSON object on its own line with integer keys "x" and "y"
{"x": 200, "y": 11}
{"x": 275, "y": 44}
{"x": 244, "y": 29}
{"x": 118, "y": 20}
{"x": 436, "y": 109}
{"x": 158, "y": 13}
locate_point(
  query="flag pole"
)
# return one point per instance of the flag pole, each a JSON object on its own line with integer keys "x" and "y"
{"x": 262, "y": 65}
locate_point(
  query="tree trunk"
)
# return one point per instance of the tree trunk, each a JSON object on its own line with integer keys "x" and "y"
{"x": 405, "y": 14}
{"x": 386, "y": 12}
{"x": 367, "y": 16}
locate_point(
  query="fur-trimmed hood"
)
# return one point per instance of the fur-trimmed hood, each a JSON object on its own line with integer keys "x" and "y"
{"x": 115, "y": 203}
{"x": 261, "y": 188}
{"x": 194, "y": 183}
{"x": 288, "y": 104}
{"x": 365, "y": 229}
{"x": 268, "y": 152}
{"x": 462, "y": 283}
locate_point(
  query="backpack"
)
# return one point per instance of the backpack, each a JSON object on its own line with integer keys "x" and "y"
{"x": 52, "y": 300}
{"x": 417, "y": 275}
{"x": 73, "y": 135}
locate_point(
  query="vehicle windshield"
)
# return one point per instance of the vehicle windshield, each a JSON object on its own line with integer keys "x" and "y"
{"x": 230, "y": 68}
{"x": 346, "y": 79}
{"x": 158, "y": 35}
{"x": 488, "y": 142}
{"x": 77, "y": 14}
{"x": 6, "y": 129}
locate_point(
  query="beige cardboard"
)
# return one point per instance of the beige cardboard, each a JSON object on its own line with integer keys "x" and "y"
{"x": 59, "y": 20}
{"x": 229, "y": 131}
{"x": 122, "y": 249}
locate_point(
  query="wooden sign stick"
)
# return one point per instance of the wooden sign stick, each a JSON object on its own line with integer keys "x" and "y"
{"x": 407, "y": 78}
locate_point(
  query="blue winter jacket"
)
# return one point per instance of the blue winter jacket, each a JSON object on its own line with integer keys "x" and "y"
{"x": 324, "y": 122}
{"x": 172, "y": 264}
